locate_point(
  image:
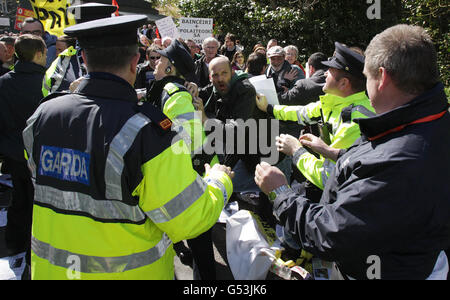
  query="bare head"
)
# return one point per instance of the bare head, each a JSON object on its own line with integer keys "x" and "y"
{"x": 220, "y": 74}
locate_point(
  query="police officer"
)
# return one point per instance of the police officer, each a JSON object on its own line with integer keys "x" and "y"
{"x": 113, "y": 191}
{"x": 345, "y": 100}
{"x": 173, "y": 71}
{"x": 169, "y": 94}
{"x": 385, "y": 211}
{"x": 68, "y": 66}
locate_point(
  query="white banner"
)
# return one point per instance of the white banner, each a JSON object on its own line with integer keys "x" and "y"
{"x": 196, "y": 29}
{"x": 167, "y": 27}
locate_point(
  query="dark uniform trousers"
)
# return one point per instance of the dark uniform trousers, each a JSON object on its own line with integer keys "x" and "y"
{"x": 18, "y": 229}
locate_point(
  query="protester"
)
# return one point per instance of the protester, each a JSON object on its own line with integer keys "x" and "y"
{"x": 158, "y": 42}
{"x": 194, "y": 49}
{"x": 257, "y": 45}
{"x": 284, "y": 77}
{"x": 120, "y": 225}
{"x": 375, "y": 204}
{"x": 292, "y": 58}
{"x": 166, "y": 41}
{"x": 145, "y": 74}
{"x": 10, "y": 59}
{"x": 35, "y": 27}
{"x": 271, "y": 43}
{"x": 228, "y": 98}
{"x": 229, "y": 47}
{"x": 20, "y": 94}
{"x": 256, "y": 64}
{"x": 238, "y": 61}
{"x": 261, "y": 50}
{"x": 210, "y": 47}
{"x": 282, "y": 72}
{"x": 3, "y": 59}
{"x": 309, "y": 89}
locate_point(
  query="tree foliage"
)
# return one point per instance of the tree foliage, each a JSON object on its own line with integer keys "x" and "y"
{"x": 314, "y": 25}
{"x": 433, "y": 15}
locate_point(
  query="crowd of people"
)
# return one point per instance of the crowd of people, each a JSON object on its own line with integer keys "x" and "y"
{"x": 118, "y": 130}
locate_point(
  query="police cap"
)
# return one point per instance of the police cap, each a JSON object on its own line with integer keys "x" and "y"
{"x": 179, "y": 56}
{"x": 347, "y": 60}
{"x": 91, "y": 11}
{"x": 108, "y": 32}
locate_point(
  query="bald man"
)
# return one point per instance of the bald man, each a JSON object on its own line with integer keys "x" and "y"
{"x": 228, "y": 103}
{"x": 229, "y": 96}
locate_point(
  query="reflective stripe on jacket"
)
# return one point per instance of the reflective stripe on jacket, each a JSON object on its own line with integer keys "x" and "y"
{"x": 344, "y": 132}
{"x": 177, "y": 105}
{"x": 111, "y": 191}
{"x": 56, "y": 72}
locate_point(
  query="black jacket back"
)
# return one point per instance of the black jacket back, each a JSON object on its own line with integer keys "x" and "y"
{"x": 20, "y": 94}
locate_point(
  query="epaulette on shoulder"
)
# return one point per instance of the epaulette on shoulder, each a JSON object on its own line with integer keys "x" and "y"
{"x": 157, "y": 117}
{"x": 346, "y": 114}
{"x": 173, "y": 87}
{"x": 54, "y": 95}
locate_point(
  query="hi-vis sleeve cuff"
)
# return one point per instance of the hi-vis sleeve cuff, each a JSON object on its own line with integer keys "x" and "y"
{"x": 298, "y": 154}
{"x": 221, "y": 181}
{"x": 177, "y": 199}
{"x": 286, "y": 113}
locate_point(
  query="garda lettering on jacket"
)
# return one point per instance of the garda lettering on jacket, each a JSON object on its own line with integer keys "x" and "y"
{"x": 64, "y": 164}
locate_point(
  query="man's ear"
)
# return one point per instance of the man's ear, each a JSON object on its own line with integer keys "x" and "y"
{"x": 344, "y": 83}
{"x": 384, "y": 79}
{"x": 83, "y": 55}
{"x": 39, "y": 57}
{"x": 311, "y": 70}
{"x": 134, "y": 63}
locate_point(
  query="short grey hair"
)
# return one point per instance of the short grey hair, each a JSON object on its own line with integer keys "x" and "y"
{"x": 209, "y": 40}
{"x": 408, "y": 55}
{"x": 291, "y": 47}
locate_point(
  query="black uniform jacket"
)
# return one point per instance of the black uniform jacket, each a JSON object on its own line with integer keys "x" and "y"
{"x": 20, "y": 94}
{"x": 305, "y": 90}
{"x": 388, "y": 196}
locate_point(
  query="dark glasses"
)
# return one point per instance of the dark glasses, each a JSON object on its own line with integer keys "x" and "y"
{"x": 155, "y": 57}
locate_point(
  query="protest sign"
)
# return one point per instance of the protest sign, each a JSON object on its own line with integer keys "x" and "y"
{"x": 196, "y": 29}
{"x": 21, "y": 15}
{"x": 53, "y": 14}
{"x": 167, "y": 27}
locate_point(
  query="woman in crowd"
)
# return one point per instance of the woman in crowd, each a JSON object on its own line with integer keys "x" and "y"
{"x": 292, "y": 57}
{"x": 238, "y": 62}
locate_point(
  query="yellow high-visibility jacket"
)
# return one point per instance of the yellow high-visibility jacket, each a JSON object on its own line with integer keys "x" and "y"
{"x": 177, "y": 105}
{"x": 112, "y": 191}
{"x": 344, "y": 131}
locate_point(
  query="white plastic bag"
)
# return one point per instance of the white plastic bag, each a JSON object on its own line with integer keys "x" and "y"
{"x": 244, "y": 244}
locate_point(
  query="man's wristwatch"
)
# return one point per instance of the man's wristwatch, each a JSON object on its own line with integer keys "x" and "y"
{"x": 276, "y": 192}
